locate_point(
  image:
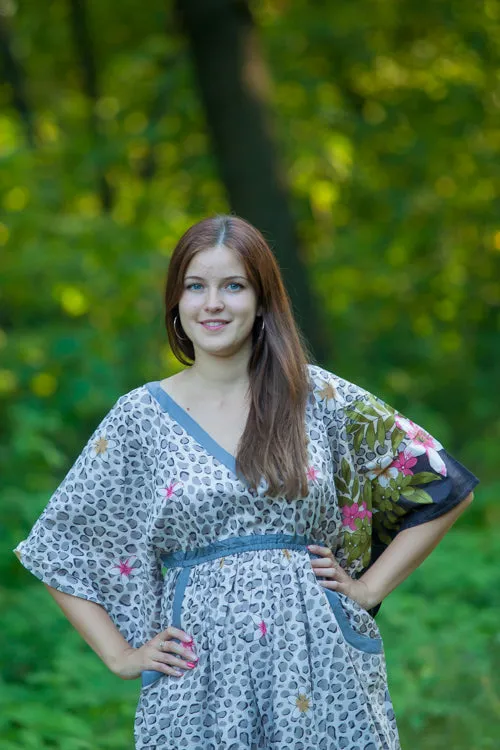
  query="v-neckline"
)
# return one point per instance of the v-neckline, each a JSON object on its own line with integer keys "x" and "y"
{"x": 191, "y": 426}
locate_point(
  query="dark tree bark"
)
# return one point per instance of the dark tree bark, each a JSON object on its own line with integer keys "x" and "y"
{"x": 85, "y": 54}
{"x": 14, "y": 75}
{"x": 231, "y": 76}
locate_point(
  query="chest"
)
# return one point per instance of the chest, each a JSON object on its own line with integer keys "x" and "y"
{"x": 224, "y": 423}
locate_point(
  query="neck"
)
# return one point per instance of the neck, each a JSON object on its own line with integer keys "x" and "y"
{"x": 221, "y": 375}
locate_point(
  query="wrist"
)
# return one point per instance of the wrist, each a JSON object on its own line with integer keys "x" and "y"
{"x": 118, "y": 662}
{"x": 371, "y": 595}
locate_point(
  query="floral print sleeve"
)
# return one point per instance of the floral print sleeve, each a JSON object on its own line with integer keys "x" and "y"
{"x": 90, "y": 540}
{"x": 390, "y": 473}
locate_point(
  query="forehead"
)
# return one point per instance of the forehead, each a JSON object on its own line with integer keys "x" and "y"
{"x": 216, "y": 261}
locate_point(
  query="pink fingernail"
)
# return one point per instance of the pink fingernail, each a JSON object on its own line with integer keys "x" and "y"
{"x": 191, "y": 664}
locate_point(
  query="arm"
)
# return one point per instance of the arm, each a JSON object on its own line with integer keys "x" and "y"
{"x": 405, "y": 553}
{"x": 98, "y": 630}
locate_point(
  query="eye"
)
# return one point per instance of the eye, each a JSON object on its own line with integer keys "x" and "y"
{"x": 235, "y": 284}
{"x": 194, "y": 284}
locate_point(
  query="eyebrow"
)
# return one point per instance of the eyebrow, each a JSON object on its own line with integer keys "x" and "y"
{"x": 226, "y": 278}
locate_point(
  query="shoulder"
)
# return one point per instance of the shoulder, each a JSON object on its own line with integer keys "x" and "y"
{"x": 132, "y": 405}
{"x": 333, "y": 391}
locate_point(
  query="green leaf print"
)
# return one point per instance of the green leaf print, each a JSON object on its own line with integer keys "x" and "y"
{"x": 417, "y": 496}
{"x": 355, "y": 488}
{"x": 367, "y": 493}
{"x": 397, "y": 437}
{"x": 424, "y": 477}
{"x": 389, "y": 422}
{"x": 398, "y": 510}
{"x": 345, "y": 471}
{"x": 370, "y": 436}
{"x": 358, "y": 547}
{"x": 358, "y": 439}
{"x": 381, "y": 431}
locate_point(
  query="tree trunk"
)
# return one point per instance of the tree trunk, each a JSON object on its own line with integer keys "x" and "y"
{"x": 232, "y": 80}
{"x": 85, "y": 54}
{"x": 14, "y": 75}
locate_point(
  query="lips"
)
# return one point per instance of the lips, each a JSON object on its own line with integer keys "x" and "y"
{"x": 214, "y": 325}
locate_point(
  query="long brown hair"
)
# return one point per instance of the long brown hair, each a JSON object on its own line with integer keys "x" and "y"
{"x": 273, "y": 445}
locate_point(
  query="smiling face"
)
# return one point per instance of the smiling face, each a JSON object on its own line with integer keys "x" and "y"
{"x": 218, "y": 305}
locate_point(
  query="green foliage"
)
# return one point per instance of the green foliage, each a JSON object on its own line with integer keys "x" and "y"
{"x": 440, "y": 630}
{"x": 387, "y": 120}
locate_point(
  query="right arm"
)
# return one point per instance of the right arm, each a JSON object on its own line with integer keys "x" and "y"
{"x": 96, "y": 627}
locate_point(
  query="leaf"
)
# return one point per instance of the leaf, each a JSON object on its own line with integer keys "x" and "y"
{"x": 345, "y": 470}
{"x": 389, "y": 422}
{"x": 367, "y": 493}
{"x": 424, "y": 477}
{"x": 370, "y": 436}
{"x": 381, "y": 431}
{"x": 417, "y": 496}
{"x": 397, "y": 436}
{"x": 358, "y": 438}
{"x": 355, "y": 487}
{"x": 341, "y": 485}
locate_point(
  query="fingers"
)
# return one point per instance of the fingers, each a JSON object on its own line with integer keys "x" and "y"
{"x": 172, "y": 632}
{"x": 316, "y": 549}
{"x": 327, "y": 567}
{"x": 165, "y": 650}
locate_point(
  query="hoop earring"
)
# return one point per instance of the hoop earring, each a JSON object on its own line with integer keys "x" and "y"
{"x": 181, "y": 338}
{"x": 261, "y": 330}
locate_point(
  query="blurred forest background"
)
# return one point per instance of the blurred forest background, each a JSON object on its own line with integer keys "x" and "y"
{"x": 363, "y": 139}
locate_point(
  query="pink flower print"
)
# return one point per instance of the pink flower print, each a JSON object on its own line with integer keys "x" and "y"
{"x": 349, "y": 515}
{"x": 124, "y": 567}
{"x": 313, "y": 474}
{"x": 404, "y": 463}
{"x": 261, "y": 627}
{"x": 382, "y": 470}
{"x": 169, "y": 491}
{"x": 351, "y": 512}
{"x": 363, "y": 511}
{"x": 422, "y": 442}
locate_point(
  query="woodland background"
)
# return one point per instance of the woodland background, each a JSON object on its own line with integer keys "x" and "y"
{"x": 363, "y": 139}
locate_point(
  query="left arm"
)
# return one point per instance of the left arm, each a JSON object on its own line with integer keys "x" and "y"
{"x": 403, "y": 555}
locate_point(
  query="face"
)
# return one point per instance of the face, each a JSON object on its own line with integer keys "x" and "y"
{"x": 218, "y": 305}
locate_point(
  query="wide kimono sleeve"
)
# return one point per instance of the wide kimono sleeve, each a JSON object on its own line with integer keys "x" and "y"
{"x": 91, "y": 539}
{"x": 389, "y": 473}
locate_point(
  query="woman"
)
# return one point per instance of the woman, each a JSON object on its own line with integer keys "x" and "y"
{"x": 226, "y": 530}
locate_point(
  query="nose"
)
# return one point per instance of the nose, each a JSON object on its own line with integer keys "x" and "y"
{"x": 213, "y": 300}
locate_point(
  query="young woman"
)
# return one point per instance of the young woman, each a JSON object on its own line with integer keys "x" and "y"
{"x": 225, "y": 531}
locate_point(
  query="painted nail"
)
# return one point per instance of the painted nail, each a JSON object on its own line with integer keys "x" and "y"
{"x": 191, "y": 664}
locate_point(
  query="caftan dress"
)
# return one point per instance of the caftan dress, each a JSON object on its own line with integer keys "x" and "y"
{"x": 153, "y": 523}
